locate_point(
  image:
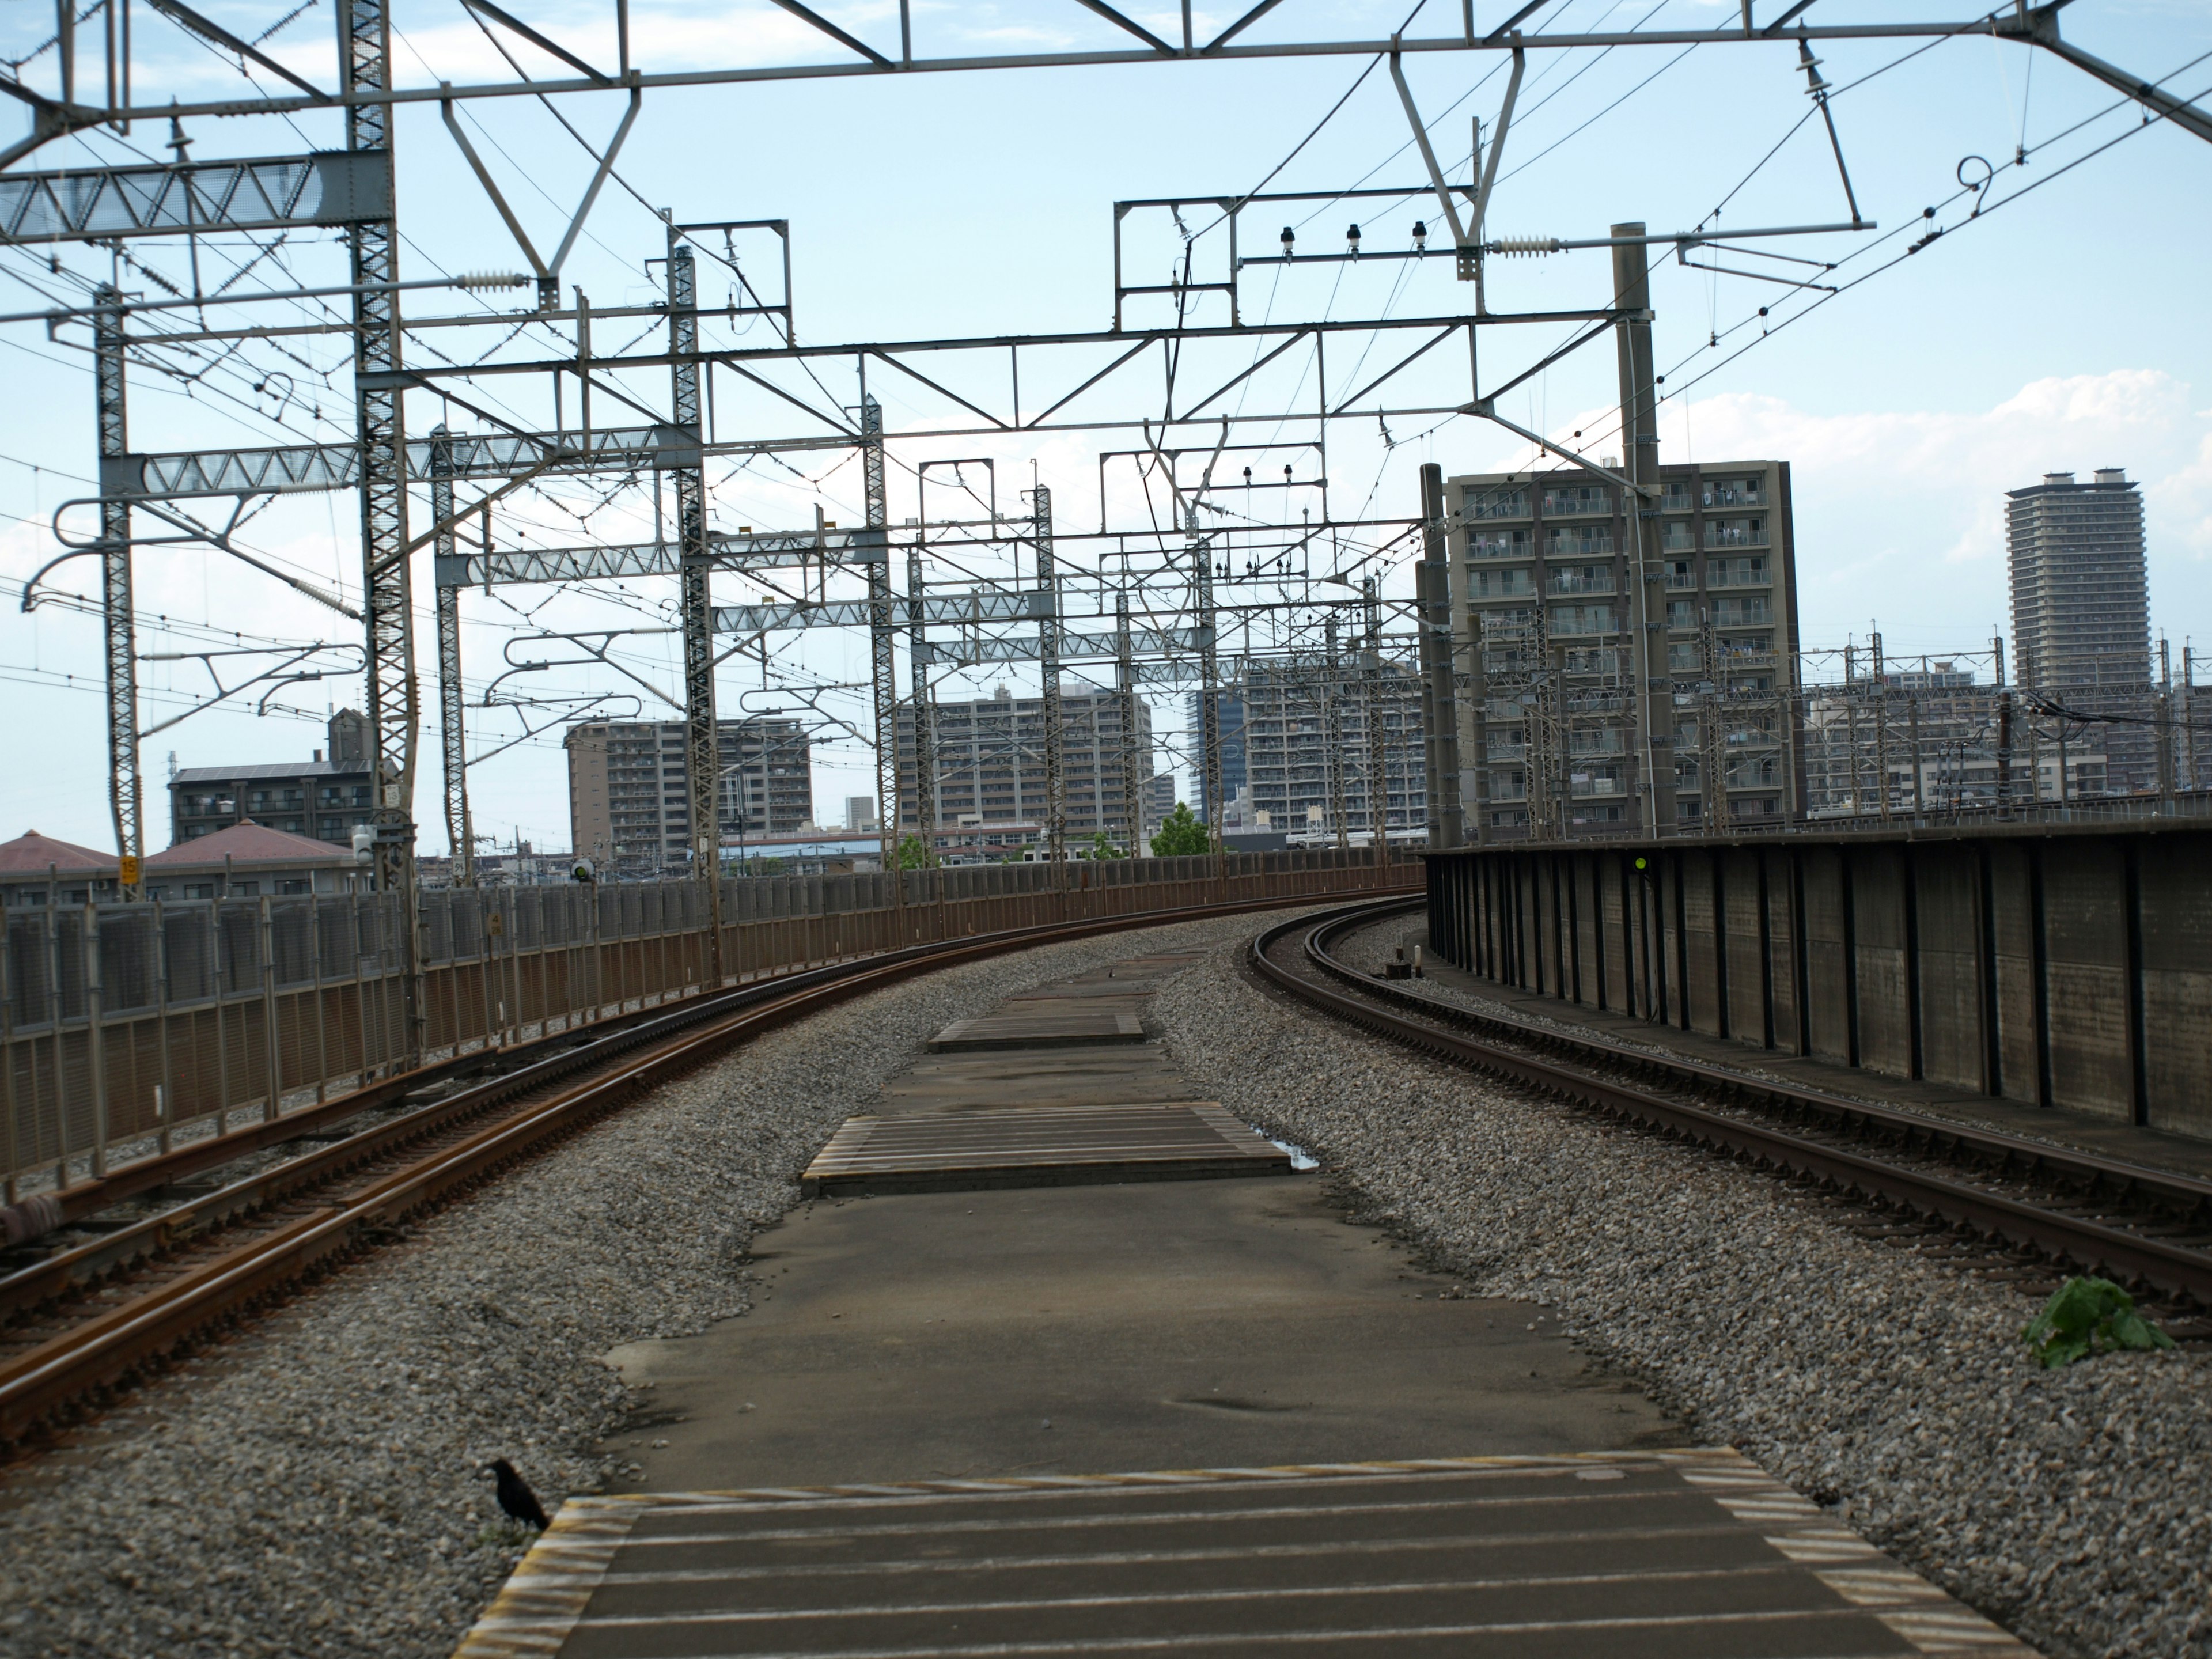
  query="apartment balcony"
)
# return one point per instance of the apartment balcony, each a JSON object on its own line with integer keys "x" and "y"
{"x": 1498, "y": 544}
{"x": 1742, "y": 613}
{"x": 1678, "y": 497}
{"x": 1676, "y": 536}
{"x": 1738, "y": 573}
{"x": 1736, "y": 533}
{"x": 1495, "y": 504}
{"x": 1577, "y": 619}
{"x": 1720, "y": 494}
{"x": 1569, "y": 501}
{"x": 1579, "y": 543}
{"x": 1580, "y": 581}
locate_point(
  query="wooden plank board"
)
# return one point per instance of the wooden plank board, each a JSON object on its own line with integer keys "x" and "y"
{"x": 1038, "y": 1146}
{"x": 1695, "y": 1554}
{"x": 1044, "y": 1028}
{"x": 1102, "y": 1075}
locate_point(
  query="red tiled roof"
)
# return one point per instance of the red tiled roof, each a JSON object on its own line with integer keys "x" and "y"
{"x": 30, "y": 853}
{"x": 248, "y": 842}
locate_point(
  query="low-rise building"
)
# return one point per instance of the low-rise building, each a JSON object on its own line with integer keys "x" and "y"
{"x": 323, "y": 798}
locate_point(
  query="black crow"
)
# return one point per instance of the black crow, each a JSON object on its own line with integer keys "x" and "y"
{"x": 514, "y": 1494}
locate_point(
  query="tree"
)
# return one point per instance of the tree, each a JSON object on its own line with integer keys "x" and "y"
{"x": 1181, "y": 834}
{"x": 1102, "y": 847}
{"x": 912, "y": 855}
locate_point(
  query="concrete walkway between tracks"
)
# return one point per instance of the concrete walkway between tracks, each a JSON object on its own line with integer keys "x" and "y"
{"x": 959, "y": 1362}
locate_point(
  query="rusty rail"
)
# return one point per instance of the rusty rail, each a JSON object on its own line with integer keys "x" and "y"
{"x": 117, "y": 1344}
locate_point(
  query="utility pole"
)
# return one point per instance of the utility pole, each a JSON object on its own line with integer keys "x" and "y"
{"x": 452, "y": 738}
{"x": 1125, "y": 686}
{"x": 1447, "y": 819}
{"x": 1647, "y": 573}
{"x": 924, "y": 707}
{"x": 882, "y": 654}
{"x": 702, "y": 746}
{"x": 1378, "y": 777}
{"x": 126, "y": 789}
{"x": 1055, "y": 801}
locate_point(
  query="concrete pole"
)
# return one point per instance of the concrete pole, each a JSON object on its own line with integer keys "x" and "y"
{"x": 1647, "y": 575}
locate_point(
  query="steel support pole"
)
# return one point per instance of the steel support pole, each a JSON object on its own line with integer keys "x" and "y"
{"x": 1378, "y": 760}
{"x": 125, "y": 789}
{"x": 1047, "y": 577}
{"x": 1647, "y": 573}
{"x": 459, "y": 835}
{"x": 387, "y": 595}
{"x": 882, "y": 651}
{"x": 1332, "y": 734}
{"x": 924, "y": 711}
{"x": 1446, "y": 816}
{"x": 1209, "y": 675}
{"x": 1125, "y": 687}
{"x": 702, "y": 759}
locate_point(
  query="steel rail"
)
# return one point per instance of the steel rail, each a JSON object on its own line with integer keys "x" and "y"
{"x": 2168, "y": 1268}
{"x": 118, "y": 1344}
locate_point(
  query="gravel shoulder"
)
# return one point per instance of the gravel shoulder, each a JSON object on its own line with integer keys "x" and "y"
{"x": 307, "y": 1488}
{"x": 2074, "y": 1507}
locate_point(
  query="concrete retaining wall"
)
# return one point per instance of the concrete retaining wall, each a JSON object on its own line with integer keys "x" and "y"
{"x": 2045, "y": 964}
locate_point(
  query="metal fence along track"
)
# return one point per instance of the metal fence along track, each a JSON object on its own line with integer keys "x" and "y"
{"x": 2146, "y": 1227}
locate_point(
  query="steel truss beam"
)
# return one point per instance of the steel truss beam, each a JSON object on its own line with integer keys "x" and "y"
{"x": 954, "y": 610}
{"x": 514, "y": 566}
{"x": 1497, "y": 40}
{"x": 278, "y": 192}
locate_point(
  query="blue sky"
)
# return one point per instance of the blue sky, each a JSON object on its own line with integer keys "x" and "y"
{"x": 2061, "y": 328}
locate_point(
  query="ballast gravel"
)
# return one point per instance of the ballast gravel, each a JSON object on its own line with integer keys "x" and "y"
{"x": 2073, "y": 1506}
{"x": 307, "y": 1489}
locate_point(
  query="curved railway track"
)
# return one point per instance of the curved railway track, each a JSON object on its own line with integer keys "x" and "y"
{"x": 2023, "y": 1205}
{"x": 234, "y": 1222}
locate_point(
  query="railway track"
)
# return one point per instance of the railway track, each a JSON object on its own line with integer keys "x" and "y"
{"x": 169, "y": 1249}
{"x": 2022, "y": 1208}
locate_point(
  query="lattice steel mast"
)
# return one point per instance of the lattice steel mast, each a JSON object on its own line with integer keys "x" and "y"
{"x": 1055, "y": 800}
{"x": 125, "y": 789}
{"x": 882, "y": 654}
{"x": 702, "y": 758}
{"x": 924, "y": 711}
{"x": 452, "y": 739}
{"x": 1125, "y": 684}
{"x": 387, "y": 591}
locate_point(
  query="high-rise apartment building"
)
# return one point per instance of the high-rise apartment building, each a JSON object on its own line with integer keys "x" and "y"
{"x": 989, "y": 760}
{"x": 1278, "y": 729}
{"x": 2081, "y": 609}
{"x": 1542, "y": 565}
{"x": 1228, "y": 707}
{"x": 629, "y": 800}
{"x": 2080, "y": 604}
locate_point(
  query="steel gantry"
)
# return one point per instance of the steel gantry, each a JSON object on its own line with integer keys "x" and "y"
{"x": 352, "y": 190}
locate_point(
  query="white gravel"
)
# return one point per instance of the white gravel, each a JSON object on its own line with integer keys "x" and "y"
{"x": 2072, "y": 1506}
{"x": 307, "y": 1489}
